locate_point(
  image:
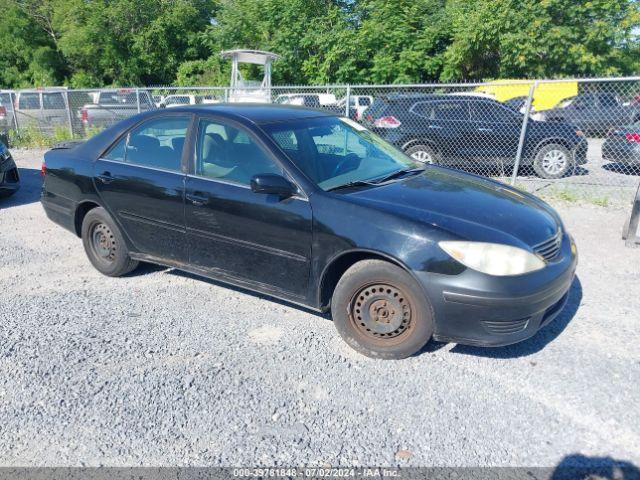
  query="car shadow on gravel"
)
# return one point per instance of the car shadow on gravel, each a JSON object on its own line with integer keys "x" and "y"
{"x": 622, "y": 168}
{"x": 605, "y": 468}
{"x": 29, "y": 192}
{"x": 266, "y": 298}
{"x": 540, "y": 340}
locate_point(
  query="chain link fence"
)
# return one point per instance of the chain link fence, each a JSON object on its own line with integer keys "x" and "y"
{"x": 570, "y": 138}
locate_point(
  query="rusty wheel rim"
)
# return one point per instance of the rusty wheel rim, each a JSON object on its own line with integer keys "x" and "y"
{"x": 381, "y": 311}
{"x": 103, "y": 243}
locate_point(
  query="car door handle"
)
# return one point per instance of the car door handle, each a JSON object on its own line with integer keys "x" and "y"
{"x": 106, "y": 177}
{"x": 197, "y": 200}
{"x": 435, "y": 127}
{"x": 486, "y": 130}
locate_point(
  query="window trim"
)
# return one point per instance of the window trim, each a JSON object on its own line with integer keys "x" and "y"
{"x": 157, "y": 115}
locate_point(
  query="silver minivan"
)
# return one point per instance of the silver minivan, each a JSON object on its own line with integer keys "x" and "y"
{"x": 45, "y": 109}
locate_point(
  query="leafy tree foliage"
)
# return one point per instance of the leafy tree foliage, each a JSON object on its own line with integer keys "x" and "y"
{"x": 134, "y": 42}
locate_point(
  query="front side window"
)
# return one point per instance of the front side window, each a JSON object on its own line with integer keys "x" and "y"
{"x": 336, "y": 151}
{"x": 157, "y": 143}
{"x": 227, "y": 153}
{"x": 443, "y": 110}
{"x": 53, "y": 101}
{"x": 491, "y": 112}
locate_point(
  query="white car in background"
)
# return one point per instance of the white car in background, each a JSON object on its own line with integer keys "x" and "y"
{"x": 313, "y": 100}
{"x": 358, "y": 102}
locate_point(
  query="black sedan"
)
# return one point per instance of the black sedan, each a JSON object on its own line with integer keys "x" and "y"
{"x": 622, "y": 145}
{"x": 474, "y": 132}
{"x": 316, "y": 210}
{"x": 9, "y": 177}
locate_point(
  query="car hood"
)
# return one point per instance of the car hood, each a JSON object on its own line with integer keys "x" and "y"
{"x": 466, "y": 206}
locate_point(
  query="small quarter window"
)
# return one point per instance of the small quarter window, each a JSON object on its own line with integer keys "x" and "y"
{"x": 117, "y": 152}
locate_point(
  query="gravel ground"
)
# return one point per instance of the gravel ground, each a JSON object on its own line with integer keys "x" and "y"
{"x": 162, "y": 368}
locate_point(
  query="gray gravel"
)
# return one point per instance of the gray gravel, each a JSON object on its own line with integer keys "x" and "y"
{"x": 162, "y": 368}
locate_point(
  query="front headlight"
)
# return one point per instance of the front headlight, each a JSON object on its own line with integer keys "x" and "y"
{"x": 493, "y": 258}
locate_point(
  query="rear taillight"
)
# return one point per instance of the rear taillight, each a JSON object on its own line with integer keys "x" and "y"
{"x": 387, "y": 122}
{"x": 43, "y": 169}
{"x": 3, "y": 111}
{"x": 84, "y": 115}
{"x": 632, "y": 137}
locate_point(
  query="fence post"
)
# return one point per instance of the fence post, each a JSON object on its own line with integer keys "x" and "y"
{"x": 14, "y": 101}
{"x": 347, "y": 102}
{"x": 630, "y": 232}
{"x": 69, "y": 117}
{"x": 523, "y": 132}
{"x": 226, "y": 95}
{"x": 138, "y": 99}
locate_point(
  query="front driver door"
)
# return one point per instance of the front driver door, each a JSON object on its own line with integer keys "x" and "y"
{"x": 253, "y": 238}
{"x": 141, "y": 182}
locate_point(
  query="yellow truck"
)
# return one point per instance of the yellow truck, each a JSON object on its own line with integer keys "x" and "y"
{"x": 545, "y": 96}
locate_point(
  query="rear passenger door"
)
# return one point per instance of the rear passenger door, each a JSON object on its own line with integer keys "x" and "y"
{"x": 140, "y": 180}
{"x": 29, "y": 110}
{"x": 445, "y": 123}
{"x": 54, "y": 110}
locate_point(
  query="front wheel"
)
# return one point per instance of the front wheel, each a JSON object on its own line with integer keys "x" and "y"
{"x": 380, "y": 311}
{"x": 105, "y": 245}
{"x": 552, "y": 161}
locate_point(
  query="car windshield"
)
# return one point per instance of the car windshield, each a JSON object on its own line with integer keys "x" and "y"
{"x": 335, "y": 152}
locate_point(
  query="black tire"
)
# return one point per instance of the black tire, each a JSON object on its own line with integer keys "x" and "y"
{"x": 553, "y": 161}
{"x": 423, "y": 153}
{"x": 380, "y": 310}
{"x": 105, "y": 245}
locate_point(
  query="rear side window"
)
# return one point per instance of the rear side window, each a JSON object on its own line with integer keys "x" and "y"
{"x": 29, "y": 101}
{"x": 53, "y": 101}
{"x": 364, "y": 101}
{"x": 156, "y": 143}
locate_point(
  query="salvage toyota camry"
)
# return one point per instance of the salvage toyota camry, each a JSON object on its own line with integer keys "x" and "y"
{"x": 314, "y": 209}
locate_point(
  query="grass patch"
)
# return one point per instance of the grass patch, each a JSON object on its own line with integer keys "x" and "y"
{"x": 32, "y": 137}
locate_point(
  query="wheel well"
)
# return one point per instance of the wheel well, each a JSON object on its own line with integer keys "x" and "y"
{"x": 419, "y": 141}
{"x": 81, "y": 212}
{"x": 548, "y": 141}
{"x": 334, "y": 271}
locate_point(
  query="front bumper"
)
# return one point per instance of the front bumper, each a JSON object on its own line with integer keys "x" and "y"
{"x": 477, "y": 309}
{"x": 580, "y": 152}
{"x": 9, "y": 177}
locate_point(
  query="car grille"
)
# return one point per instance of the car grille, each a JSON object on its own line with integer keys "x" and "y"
{"x": 549, "y": 248}
{"x": 505, "y": 328}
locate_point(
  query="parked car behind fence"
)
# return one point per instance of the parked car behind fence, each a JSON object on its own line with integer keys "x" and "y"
{"x": 473, "y": 132}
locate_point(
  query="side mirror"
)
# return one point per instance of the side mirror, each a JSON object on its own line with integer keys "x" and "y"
{"x": 270, "y": 183}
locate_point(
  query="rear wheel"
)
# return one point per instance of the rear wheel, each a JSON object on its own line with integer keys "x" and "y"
{"x": 423, "y": 153}
{"x": 105, "y": 245}
{"x": 553, "y": 161}
{"x": 380, "y": 310}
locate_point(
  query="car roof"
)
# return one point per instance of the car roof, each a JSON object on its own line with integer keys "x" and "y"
{"x": 424, "y": 97}
{"x": 258, "y": 113}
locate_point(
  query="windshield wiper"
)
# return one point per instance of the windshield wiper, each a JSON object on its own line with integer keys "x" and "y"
{"x": 355, "y": 183}
{"x": 398, "y": 173}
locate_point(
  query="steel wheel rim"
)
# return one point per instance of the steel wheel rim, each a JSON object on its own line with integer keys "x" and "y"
{"x": 381, "y": 311}
{"x": 554, "y": 162}
{"x": 103, "y": 243}
{"x": 422, "y": 156}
